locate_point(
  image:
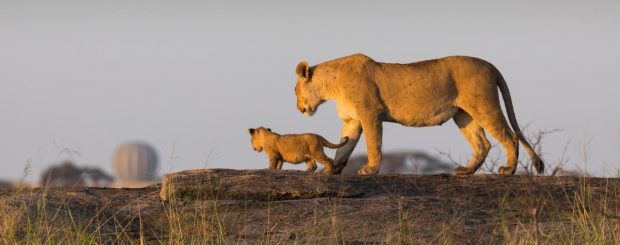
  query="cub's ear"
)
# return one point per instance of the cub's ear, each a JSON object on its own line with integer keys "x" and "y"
{"x": 268, "y": 129}
{"x": 303, "y": 70}
{"x": 251, "y": 131}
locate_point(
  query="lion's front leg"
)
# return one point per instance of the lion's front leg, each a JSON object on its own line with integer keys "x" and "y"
{"x": 373, "y": 129}
{"x": 273, "y": 162}
{"x": 353, "y": 130}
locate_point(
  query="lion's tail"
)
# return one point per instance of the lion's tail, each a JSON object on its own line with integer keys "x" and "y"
{"x": 334, "y": 146}
{"x": 503, "y": 87}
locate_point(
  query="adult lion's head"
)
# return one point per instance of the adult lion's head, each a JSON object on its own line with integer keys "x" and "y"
{"x": 308, "y": 99}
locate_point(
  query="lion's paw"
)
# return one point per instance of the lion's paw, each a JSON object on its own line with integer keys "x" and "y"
{"x": 367, "y": 170}
{"x": 460, "y": 170}
{"x": 506, "y": 170}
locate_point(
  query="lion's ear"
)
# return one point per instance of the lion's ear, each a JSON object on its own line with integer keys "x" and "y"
{"x": 303, "y": 70}
{"x": 251, "y": 131}
{"x": 268, "y": 129}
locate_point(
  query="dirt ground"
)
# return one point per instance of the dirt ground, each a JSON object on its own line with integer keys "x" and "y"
{"x": 271, "y": 206}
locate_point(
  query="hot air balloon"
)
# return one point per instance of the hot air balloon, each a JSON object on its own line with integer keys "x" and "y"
{"x": 135, "y": 161}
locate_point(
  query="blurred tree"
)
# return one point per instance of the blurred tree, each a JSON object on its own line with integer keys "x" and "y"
{"x": 65, "y": 174}
{"x": 96, "y": 177}
{"x": 403, "y": 162}
{"x": 5, "y": 184}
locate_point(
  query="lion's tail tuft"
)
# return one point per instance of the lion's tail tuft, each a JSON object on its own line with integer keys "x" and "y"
{"x": 503, "y": 87}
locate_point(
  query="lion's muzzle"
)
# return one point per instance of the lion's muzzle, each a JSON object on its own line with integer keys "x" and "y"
{"x": 307, "y": 111}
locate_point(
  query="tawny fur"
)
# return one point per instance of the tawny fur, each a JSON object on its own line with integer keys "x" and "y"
{"x": 419, "y": 94}
{"x": 293, "y": 148}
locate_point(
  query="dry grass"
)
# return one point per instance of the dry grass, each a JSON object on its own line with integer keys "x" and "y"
{"x": 582, "y": 217}
{"x": 588, "y": 214}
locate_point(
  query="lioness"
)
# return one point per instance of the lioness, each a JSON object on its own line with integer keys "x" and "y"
{"x": 293, "y": 148}
{"x": 419, "y": 94}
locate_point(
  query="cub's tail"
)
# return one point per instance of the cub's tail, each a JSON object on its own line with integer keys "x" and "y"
{"x": 334, "y": 146}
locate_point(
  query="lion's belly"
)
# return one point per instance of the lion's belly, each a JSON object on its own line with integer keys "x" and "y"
{"x": 422, "y": 118}
{"x": 419, "y": 103}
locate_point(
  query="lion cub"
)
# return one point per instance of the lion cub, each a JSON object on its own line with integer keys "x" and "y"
{"x": 293, "y": 148}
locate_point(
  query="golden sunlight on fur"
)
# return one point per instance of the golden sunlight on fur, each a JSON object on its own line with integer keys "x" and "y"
{"x": 419, "y": 94}
{"x": 293, "y": 148}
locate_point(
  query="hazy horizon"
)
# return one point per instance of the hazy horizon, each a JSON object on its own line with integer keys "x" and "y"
{"x": 191, "y": 77}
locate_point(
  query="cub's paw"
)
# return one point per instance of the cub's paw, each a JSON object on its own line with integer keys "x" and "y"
{"x": 367, "y": 170}
{"x": 328, "y": 170}
{"x": 460, "y": 170}
{"x": 506, "y": 170}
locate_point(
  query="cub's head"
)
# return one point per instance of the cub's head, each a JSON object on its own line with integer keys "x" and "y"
{"x": 308, "y": 99}
{"x": 257, "y": 134}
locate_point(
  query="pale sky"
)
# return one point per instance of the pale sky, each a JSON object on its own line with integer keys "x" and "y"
{"x": 191, "y": 77}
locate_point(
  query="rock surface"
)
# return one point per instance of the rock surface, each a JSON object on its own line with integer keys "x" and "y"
{"x": 271, "y": 206}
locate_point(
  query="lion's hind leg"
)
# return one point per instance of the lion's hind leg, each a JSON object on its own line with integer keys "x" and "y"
{"x": 311, "y": 166}
{"x": 491, "y": 118}
{"x": 477, "y": 139}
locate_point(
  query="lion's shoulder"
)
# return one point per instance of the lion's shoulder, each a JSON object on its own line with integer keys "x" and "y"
{"x": 358, "y": 58}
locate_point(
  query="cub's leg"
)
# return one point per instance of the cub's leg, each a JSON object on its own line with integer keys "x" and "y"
{"x": 311, "y": 166}
{"x": 478, "y": 141}
{"x": 279, "y": 165}
{"x": 328, "y": 163}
